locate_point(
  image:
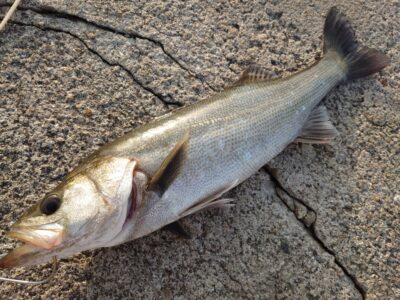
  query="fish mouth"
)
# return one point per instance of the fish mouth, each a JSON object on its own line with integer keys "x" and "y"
{"x": 37, "y": 239}
{"x": 45, "y": 236}
{"x": 19, "y": 256}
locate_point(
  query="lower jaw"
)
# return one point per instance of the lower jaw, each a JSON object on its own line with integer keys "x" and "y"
{"x": 45, "y": 239}
{"x": 18, "y": 257}
{"x": 33, "y": 251}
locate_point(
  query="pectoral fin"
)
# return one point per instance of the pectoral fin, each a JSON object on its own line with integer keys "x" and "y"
{"x": 318, "y": 129}
{"x": 170, "y": 167}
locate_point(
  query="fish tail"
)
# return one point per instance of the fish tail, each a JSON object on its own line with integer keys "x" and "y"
{"x": 339, "y": 37}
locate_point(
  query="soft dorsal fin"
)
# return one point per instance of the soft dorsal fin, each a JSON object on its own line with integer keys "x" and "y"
{"x": 318, "y": 129}
{"x": 254, "y": 74}
{"x": 170, "y": 167}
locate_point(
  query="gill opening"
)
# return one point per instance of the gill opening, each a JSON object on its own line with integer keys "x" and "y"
{"x": 30, "y": 282}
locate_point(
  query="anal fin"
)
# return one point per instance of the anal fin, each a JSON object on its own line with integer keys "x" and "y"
{"x": 318, "y": 129}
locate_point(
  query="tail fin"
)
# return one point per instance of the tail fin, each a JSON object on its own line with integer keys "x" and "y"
{"x": 339, "y": 36}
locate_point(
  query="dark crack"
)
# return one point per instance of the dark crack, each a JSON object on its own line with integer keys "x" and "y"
{"x": 159, "y": 96}
{"x": 311, "y": 230}
{"x": 130, "y": 34}
{"x": 272, "y": 173}
{"x": 232, "y": 278}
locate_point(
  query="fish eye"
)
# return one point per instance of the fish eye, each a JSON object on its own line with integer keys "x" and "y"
{"x": 50, "y": 205}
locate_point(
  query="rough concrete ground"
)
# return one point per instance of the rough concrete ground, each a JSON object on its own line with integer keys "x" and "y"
{"x": 76, "y": 74}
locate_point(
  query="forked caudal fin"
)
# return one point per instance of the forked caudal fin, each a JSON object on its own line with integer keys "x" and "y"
{"x": 339, "y": 36}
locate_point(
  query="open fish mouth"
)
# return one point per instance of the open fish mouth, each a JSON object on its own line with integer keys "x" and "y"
{"x": 37, "y": 240}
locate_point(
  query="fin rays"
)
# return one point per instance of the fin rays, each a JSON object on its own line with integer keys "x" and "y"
{"x": 254, "y": 74}
{"x": 170, "y": 167}
{"x": 318, "y": 129}
{"x": 211, "y": 202}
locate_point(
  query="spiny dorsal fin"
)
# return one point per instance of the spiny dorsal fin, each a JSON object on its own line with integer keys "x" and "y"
{"x": 254, "y": 74}
{"x": 170, "y": 167}
{"x": 318, "y": 129}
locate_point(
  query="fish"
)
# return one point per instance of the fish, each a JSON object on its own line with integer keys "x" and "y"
{"x": 185, "y": 161}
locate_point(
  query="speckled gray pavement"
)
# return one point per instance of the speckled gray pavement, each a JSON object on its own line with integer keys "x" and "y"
{"x": 318, "y": 222}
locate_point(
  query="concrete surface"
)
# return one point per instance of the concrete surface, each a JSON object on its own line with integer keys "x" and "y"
{"x": 325, "y": 225}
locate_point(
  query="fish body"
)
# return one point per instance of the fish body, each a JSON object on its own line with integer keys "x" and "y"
{"x": 184, "y": 161}
{"x": 231, "y": 136}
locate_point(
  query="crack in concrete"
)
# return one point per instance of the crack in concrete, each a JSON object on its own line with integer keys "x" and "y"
{"x": 311, "y": 230}
{"x": 272, "y": 173}
{"x": 231, "y": 277}
{"x": 107, "y": 62}
{"x": 134, "y": 35}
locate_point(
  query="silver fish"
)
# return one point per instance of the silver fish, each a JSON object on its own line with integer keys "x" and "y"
{"x": 185, "y": 161}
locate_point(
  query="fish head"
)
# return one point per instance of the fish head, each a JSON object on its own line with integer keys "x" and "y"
{"x": 86, "y": 211}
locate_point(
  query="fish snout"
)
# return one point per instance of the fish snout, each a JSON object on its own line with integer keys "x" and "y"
{"x": 46, "y": 236}
{"x": 38, "y": 239}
